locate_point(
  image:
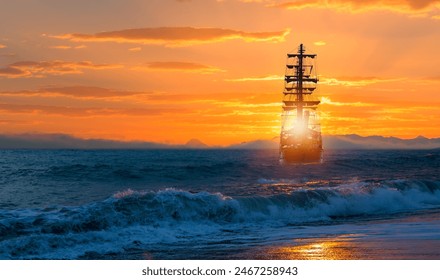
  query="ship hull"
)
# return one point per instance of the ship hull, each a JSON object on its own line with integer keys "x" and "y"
{"x": 293, "y": 155}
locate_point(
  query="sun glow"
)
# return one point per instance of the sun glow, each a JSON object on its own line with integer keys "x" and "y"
{"x": 159, "y": 80}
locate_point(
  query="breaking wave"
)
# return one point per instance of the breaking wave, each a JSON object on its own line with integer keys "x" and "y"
{"x": 133, "y": 218}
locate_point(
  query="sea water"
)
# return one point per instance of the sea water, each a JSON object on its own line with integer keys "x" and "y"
{"x": 218, "y": 204}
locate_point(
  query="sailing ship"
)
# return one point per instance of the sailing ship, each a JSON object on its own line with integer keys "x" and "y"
{"x": 300, "y": 139}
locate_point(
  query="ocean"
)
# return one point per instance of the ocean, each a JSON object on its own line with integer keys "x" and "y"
{"x": 218, "y": 204}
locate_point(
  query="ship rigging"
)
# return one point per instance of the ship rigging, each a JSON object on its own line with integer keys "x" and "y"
{"x": 300, "y": 139}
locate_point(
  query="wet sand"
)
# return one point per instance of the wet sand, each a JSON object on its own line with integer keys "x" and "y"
{"x": 412, "y": 237}
{"x": 406, "y": 238}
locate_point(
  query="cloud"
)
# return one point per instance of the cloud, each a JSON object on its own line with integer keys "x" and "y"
{"x": 175, "y": 36}
{"x": 41, "y": 69}
{"x": 404, "y": 6}
{"x": 137, "y": 49}
{"x": 2, "y": 46}
{"x": 11, "y": 72}
{"x": 256, "y": 79}
{"x": 52, "y": 110}
{"x": 340, "y": 81}
{"x": 179, "y": 66}
{"x": 77, "y": 92}
{"x": 328, "y": 101}
{"x": 354, "y": 81}
{"x": 320, "y": 43}
{"x": 64, "y": 47}
{"x": 87, "y": 91}
{"x": 69, "y": 111}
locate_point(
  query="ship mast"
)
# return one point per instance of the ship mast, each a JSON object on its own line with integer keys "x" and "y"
{"x": 300, "y": 75}
{"x": 300, "y": 82}
{"x": 300, "y": 139}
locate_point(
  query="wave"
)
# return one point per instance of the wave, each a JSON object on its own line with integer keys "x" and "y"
{"x": 148, "y": 208}
{"x": 164, "y": 215}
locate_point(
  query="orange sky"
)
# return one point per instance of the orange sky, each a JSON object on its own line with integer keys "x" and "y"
{"x": 168, "y": 71}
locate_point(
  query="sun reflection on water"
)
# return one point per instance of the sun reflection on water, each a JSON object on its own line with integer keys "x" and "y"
{"x": 341, "y": 248}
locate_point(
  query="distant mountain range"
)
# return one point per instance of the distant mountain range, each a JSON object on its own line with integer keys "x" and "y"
{"x": 352, "y": 141}
{"x": 64, "y": 141}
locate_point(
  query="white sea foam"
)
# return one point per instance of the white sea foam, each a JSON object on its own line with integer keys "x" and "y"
{"x": 137, "y": 220}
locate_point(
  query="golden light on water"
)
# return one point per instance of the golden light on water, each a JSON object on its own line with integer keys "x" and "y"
{"x": 335, "y": 249}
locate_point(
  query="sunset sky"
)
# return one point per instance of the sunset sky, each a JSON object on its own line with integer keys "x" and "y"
{"x": 168, "y": 70}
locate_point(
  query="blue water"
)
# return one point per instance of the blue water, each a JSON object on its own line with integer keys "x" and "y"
{"x": 212, "y": 204}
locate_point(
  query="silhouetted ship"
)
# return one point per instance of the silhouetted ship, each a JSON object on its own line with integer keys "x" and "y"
{"x": 300, "y": 139}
